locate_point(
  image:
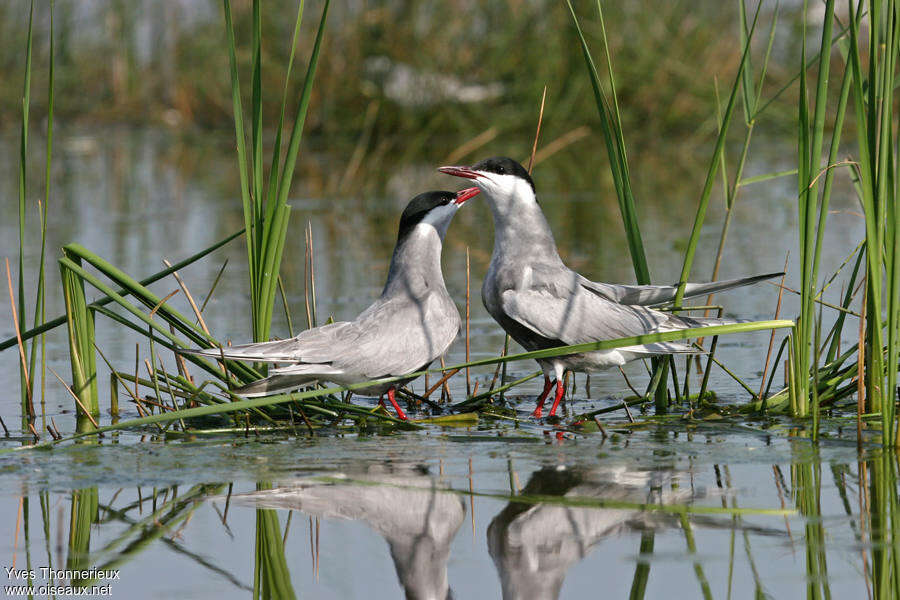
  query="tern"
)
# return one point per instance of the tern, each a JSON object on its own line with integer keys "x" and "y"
{"x": 411, "y": 324}
{"x": 541, "y": 303}
{"x": 534, "y": 546}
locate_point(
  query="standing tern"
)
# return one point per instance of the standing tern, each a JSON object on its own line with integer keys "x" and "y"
{"x": 541, "y": 303}
{"x": 411, "y": 324}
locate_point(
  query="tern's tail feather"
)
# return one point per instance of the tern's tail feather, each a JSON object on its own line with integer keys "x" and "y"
{"x": 691, "y": 322}
{"x": 653, "y": 295}
{"x": 685, "y": 347}
{"x": 701, "y": 289}
{"x": 276, "y": 351}
{"x": 274, "y": 384}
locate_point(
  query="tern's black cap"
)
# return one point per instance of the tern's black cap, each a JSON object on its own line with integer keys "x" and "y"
{"x": 420, "y": 206}
{"x": 504, "y": 166}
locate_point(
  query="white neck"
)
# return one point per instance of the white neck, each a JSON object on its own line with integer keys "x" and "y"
{"x": 416, "y": 263}
{"x": 521, "y": 230}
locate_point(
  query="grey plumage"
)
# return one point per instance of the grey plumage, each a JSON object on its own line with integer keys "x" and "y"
{"x": 411, "y": 324}
{"x": 542, "y": 303}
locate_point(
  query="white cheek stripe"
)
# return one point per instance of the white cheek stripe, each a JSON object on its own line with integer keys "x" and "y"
{"x": 439, "y": 214}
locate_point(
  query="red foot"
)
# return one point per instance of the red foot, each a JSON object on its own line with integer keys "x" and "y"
{"x": 560, "y": 389}
{"x": 400, "y": 414}
{"x": 540, "y": 401}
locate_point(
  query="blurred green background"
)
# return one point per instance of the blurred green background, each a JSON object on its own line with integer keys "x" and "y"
{"x": 405, "y": 82}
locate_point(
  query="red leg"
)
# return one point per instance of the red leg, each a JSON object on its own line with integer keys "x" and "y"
{"x": 381, "y": 402}
{"x": 540, "y": 401}
{"x": 560, "y": 389}
{"x": 400, "y": 414}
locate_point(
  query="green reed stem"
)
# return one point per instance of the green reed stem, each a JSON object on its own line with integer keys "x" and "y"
{"x": 52, "y": 324}
{"x": 26, "y": 379}
{"x": 80, "y": 321}
{"x": 713, "y": 166}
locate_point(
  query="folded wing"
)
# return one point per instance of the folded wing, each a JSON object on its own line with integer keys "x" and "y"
{"x": 654, "y": 295}
{"x": 562, "y": 308}
{"x": 392, "y": 337}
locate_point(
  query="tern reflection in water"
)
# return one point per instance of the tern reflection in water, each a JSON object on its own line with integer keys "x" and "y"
{"x": 534, "y": 545}
{"x": 403, "y": 504}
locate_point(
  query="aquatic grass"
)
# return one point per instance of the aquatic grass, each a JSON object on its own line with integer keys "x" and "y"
{"x": 180, "y": 323}
{"x": 28, "y": 406}
{"x": 642, "y": 569}
{"x": 27, "y": 372}
{"x": 873, "y": 94}
{"x": 40, "y": 313}
{"x": 806, "y": 485}
{"x": 80, "y": 325}
{"x": 83, "y": 514}
{"x": 883, "y": 525}
{"x": 26, "y": 379}
{"x": 750, "y": 98}
{"x": 320, "y": 400}
{"x": 807, "y": 377}
{"x": 716, "y": 158}
{"x": 266, "y": 214}
{"x": 271, "y": 576}
{"x": 614, "y": 139}
{"x": 828, "y": 383}
{"x": 810, "y": 140}
{"x": 155, "y": 526}
{"x": 611, "y": 126}
{"x": 61, "y": 320}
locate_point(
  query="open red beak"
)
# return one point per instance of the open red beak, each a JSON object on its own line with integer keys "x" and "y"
{"x": 463, "y": 195}
{"x": 465, "y": 172}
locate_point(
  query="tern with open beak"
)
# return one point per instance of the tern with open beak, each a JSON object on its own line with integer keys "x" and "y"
{"x": 411, "y": 324}
{"x": 541, "y": 303}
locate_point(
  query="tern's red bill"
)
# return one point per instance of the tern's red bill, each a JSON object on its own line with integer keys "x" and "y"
{"x": 463, "y": 195}
{"x": 465, "y": 172}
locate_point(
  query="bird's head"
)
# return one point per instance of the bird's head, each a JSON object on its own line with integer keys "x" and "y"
{"x": 434, "y": 209}
{"x": 505, "y": 182}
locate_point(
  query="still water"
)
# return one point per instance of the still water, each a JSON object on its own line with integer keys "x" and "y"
{"x": 703, "y": 509}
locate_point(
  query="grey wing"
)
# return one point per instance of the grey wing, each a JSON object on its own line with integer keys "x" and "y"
{"x": 309, "y": 346}
{"x": 556, "y": 306}
{"x": 394, "y": 337}
{"x": 654, "y": 295}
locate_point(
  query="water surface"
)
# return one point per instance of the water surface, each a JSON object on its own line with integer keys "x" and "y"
{"x": 497, "y": 508}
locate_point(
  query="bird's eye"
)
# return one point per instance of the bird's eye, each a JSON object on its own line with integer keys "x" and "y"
{"x": 501, "y": 170}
